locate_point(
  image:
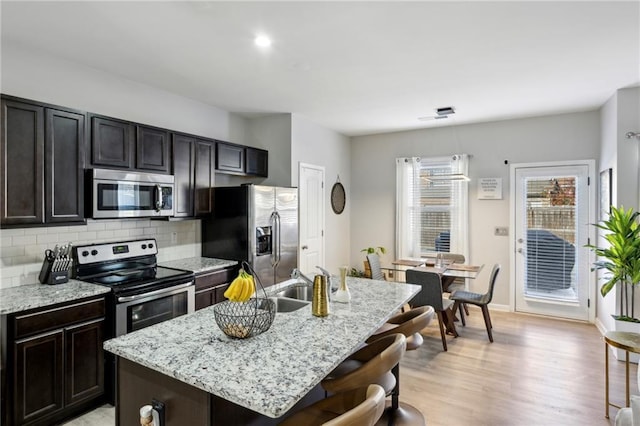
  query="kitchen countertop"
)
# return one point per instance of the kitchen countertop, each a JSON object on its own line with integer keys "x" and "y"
{"x": 270, "y": 372}
{"x": 21, "y": 298}
{"x": 199, "y": 264}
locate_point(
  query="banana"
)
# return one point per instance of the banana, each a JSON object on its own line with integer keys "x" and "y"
{"x": 241, "y": 288}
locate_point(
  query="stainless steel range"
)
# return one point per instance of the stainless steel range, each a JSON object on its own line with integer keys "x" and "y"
{"x": 142, "y": 293}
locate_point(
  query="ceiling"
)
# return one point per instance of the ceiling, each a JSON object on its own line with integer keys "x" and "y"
{"x": 355, "y": 67}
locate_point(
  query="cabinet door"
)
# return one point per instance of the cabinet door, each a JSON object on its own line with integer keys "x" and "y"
{"x": 22, "y": 164}
{"x": 64, "y": 165}
{"x": 219, "y": 296}
{"x": 38, "y": 377}
{"x": 111, "y": 143}
{"x": 153, "y": 150}
{"x": 205, "y": 176}
{"x": 184, "y": 174}
{"x": 257, "y": 162}
{"x": 230, "y": 158}
{"x": 84, "y": 366}
{"x": 205, "y": 298}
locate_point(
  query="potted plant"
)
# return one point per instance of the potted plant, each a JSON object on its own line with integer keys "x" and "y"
{"x": 371, "y": 250}
{"x": 621, "y": 262}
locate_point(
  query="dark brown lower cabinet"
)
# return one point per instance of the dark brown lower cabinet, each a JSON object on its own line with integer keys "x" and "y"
{"x": 38, "y": 377}
{"x": 210, "y": 287}
{"x": 56, "y": 363}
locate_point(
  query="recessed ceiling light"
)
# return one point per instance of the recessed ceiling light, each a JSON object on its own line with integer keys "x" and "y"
{"x": 262, "y": 41}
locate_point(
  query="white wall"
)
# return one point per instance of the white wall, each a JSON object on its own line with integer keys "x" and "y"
{"x": 42, "y": 77}
{"x": 314, "y": 144}
{"x": 273, "y": 133}
{"x": 548, "y": 138}
{"x": 619, "y": 115}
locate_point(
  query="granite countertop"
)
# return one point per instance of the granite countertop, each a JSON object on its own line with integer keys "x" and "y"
{"x": 270, "y": 372}
{"x": 21, "y": 298}
{"x": 199, "y": 264}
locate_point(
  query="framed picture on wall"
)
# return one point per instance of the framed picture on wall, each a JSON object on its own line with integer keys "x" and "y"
{"x": 605, "y": 193}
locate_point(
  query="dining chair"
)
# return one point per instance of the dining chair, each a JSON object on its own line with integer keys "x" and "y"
{"x": 449, "y": 285}
{"x": 431, "y": 295}
{"x": 374, "y": 265}
{"x": 360, "y": 406}
{"x": 478, "y": 299}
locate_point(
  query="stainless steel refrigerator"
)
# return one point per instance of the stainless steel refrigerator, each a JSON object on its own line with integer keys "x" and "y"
{"x": 258, "y": 224}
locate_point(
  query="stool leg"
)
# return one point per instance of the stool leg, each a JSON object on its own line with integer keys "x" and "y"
{"x": 606, "y": 381}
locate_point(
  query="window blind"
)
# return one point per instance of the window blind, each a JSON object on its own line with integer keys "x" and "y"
{"x": 431, "y": 206}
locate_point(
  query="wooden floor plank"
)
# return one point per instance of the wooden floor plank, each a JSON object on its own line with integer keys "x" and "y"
{"x": 538, "y": 371}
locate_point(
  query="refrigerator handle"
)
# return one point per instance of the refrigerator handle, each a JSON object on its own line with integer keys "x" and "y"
{"x": 274, "y": 239}
{"x": 278, "y": 248}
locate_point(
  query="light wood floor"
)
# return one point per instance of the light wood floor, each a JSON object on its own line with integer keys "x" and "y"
{"x": 538, "y": 372}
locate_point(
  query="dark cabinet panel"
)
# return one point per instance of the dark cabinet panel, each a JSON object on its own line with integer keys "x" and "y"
{"x": 205, "y": 176}
{"x": 257, "y": 162}
{"x": 112, "y": 143}
{"x": 22, "y": 160}
{"x": 84, "y": 366}
{"x": 230, "y": 158}
{"x": 205, "y": 298}
{"x": 38, "y": 377}
{"x": 153, "y": 150}
{"x": 219, "y": 293}
{"x": 184, "y": 174}
{"x": 64, "y": 165}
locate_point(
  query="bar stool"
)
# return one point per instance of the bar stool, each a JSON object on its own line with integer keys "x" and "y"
{"x": 409, "y": 324}
{"x": 370, "y": 364}
{"x": 361, "y": 406}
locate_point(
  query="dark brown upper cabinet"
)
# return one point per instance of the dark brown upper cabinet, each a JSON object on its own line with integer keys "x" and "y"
{"x": 64, "y": 166}
{"x": 42, "y": 164}
{"x": 22, "y": 163}
{"x": 230, "y": 158}
{"x": 257, "y": 162}
{"x": 194, "y": 173}
{"x": 153, "y": 150}
{"x": 205, "y": 176}
{"x": 112, "y": 142}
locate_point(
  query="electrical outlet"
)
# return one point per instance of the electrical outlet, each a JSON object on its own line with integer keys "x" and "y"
{"x": 174, "y": 237}
{"x": 501, "y": 231}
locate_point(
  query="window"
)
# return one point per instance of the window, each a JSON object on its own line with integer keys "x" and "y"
{"x": 431, "y": 206}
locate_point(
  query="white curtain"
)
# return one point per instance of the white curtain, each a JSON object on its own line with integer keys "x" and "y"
{"x": 407, "y": 211}
{"x": 460, "y": 206}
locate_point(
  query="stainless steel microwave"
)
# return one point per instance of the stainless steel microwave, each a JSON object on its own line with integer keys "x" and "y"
{"x": 118, "y": 194}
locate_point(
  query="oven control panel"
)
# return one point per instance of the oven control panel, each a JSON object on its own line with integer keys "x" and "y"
{"x": 115, "y": 251}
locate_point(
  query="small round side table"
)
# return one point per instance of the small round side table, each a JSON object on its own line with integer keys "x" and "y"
{"x": 629, "y": 342}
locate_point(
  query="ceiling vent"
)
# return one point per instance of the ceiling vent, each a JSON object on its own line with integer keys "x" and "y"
{"x": 445, "y": 111}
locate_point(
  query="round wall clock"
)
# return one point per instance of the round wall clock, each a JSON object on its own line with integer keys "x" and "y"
{"x": 338, "y": 197}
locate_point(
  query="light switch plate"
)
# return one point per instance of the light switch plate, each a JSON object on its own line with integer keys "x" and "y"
{"x": 501, "y": 231}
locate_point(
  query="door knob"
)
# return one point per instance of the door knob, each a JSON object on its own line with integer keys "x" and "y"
{"x": 520, "y": 240}
{"x": 305, "y": 247}
{"x": 520, "y": 250}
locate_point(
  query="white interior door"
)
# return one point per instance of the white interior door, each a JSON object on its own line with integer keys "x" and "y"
{"x": 552, "y": 207}
{"x": 311, "y": 194}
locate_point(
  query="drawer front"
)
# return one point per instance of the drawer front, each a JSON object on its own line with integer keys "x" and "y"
{"x": 52, "y": 319}
{"x": 215, "y": 278}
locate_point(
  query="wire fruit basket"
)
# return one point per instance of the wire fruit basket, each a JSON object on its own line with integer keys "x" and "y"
{"x": 241, "y": 320}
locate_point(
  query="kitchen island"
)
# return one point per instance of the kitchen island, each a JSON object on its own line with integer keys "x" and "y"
{"x": 196, "y": 370}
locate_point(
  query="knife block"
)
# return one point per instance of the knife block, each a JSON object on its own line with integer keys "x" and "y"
{"x": 47, "y": 276}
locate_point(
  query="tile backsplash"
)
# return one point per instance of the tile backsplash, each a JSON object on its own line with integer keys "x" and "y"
{"x": 22, "y": 249}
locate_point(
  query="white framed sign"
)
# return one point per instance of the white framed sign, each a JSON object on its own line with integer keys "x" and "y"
{"x": 490, "y": 189}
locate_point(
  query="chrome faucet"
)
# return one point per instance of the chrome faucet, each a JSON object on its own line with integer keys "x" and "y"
{"x": 296, "y": 274}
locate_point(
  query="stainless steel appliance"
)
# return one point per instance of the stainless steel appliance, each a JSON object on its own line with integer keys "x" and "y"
{"x": 118, "y": 194}
{"x": 258, "y": 224}
{"x": 142, "y": 293}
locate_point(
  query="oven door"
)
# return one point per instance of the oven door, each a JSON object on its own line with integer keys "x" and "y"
{"x": 142, "y": 310}
{"x": 119, "y": 194}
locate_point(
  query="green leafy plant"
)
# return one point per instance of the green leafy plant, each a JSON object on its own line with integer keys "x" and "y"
{"x": 353, "y": 272}
{"x": 374, "y": 250}
{"x": 621, "y": 259}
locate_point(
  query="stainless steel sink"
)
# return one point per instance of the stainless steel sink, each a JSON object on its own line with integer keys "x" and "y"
{"x": 285, "y": 304}
{"x": 298, "y": 292}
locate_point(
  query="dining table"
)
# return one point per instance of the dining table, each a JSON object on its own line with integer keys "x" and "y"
{"x": 448, "y": 269}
